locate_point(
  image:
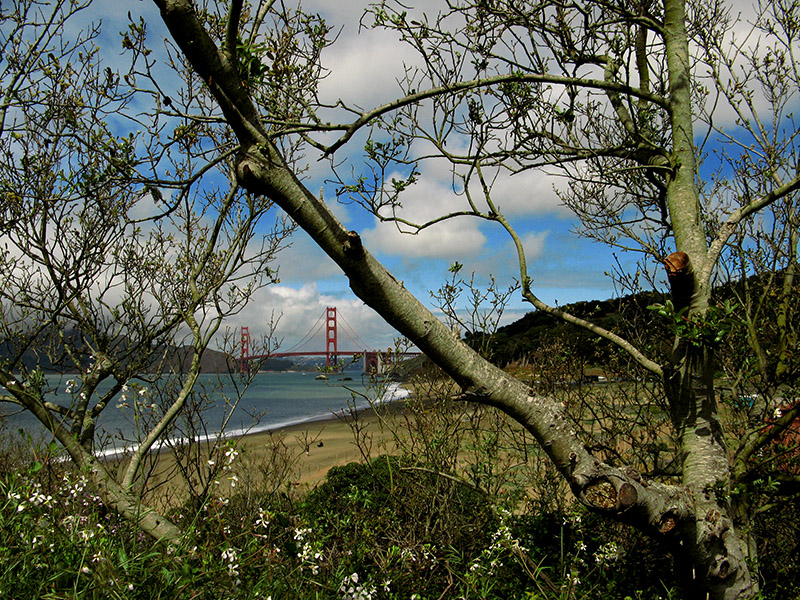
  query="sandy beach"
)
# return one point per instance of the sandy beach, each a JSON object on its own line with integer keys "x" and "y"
{"x": 295, "y": 457}
{"x": 322, "y": 444}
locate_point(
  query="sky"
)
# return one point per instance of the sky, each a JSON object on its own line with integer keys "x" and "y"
{"x": 364, "y": 66}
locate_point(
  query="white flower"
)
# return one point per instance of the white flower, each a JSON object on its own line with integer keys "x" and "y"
{"x": 263, "y": 518}
{"x": 231, "y": 556}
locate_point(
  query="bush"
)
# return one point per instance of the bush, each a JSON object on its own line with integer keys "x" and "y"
{"x": 411, "y": 526}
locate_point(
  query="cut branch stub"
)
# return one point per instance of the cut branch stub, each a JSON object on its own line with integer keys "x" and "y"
{"x": 607, "y": 494}
{"x": 681, "y": 278}
{"x": 352, "y": 246}
{"x": 667, "y": 522}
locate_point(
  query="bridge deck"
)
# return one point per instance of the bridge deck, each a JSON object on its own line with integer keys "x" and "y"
{"x": 320, "y": 353}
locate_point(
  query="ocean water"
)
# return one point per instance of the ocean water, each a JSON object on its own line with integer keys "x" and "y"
{"x": 272, "y": 401}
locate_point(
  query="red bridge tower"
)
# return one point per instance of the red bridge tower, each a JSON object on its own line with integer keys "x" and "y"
{"x": 331, "y": 350}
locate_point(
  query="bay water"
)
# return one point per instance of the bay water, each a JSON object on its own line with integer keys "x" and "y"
{"x": 272, "y": 401}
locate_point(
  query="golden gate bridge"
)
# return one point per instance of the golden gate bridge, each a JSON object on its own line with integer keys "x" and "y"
{"x": 374, "y": 361}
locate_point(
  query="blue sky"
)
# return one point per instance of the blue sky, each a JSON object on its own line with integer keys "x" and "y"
{"x": 364, "y": 65}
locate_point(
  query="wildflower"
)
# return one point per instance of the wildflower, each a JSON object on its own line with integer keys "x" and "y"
{"x": 230, "y": 455}
{"x": 351, "y": 590}
{"x": 607, "y": 553}
{"x": 85, "y": 570}
{"x": 231, "y": 556}
{"x": 263, "y": 518}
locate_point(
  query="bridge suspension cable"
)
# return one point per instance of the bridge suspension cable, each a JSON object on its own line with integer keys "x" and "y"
{"x": 315, "y": 329}
{"x": 331, "y": 352}
{"x": 355, "y": 338}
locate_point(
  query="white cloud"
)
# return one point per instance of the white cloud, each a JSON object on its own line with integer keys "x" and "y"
{"x": 424, "y": 201}
{"x": 301, "y": 311}
{"x": 533, "y": 243}
{"x": 304, "y": 261}
{"x": 739, "y": 43}
{"x": 528, "y": 193}
{"x": 365, "y": 68}
{"x": 447, "y": 241}
{"x": 500, "y": 256}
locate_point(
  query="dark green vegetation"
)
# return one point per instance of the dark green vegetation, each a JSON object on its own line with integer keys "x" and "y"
{"x": 519, "y": 340}
{"x": 373, "y": 530}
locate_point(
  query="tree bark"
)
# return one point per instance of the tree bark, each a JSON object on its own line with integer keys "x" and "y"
{"x": 717, "y": 553}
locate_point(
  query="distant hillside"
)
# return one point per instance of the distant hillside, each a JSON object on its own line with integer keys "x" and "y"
{"x": 516, "y": 340}
{"x": 179, "y": 358}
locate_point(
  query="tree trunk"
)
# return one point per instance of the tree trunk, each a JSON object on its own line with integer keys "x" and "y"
{"x": 716, "y": 558}
{"x": 713, "y": 547}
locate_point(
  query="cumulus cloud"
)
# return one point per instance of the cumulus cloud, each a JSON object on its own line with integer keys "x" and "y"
{"x": 300, "y": 311}
{"x": 740, "y": 42}
{"x": 528, "y": 193}
{"x": 303, "y": 261}
{"x": 499, "y": 259}
{"x": 534, "y": 243}
{"x": 364, "y": 68}
{"x": 428, "y": 199}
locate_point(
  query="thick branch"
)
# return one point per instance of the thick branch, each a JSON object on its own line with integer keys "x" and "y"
{"x": 213, "y": 66}
{"x": 113, "y": 494}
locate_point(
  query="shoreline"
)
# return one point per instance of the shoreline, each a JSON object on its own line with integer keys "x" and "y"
{"x": 294, "y": 457}
{"x": 304, "y": 450}
{"x": 323, "y": 443}
{"x": 394, "y": 394}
